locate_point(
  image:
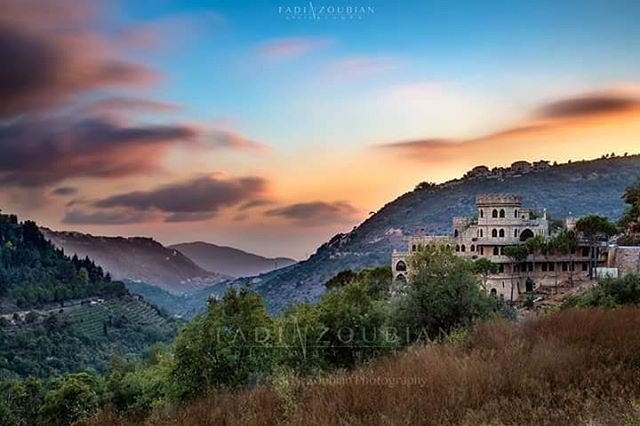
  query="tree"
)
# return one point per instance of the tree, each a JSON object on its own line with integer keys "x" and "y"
{"x": 484, "y": 267}
{"x": 631, "y": 196}
{"x": 535, "y": 246}
{"x": 74, "y": 399}
{"x": 566, "y": 242}
{"x": 595, "y": 228}
{"x": 517, "y": 254}
{"x": 225, "y": 347}
{"x": 443, "y": 293}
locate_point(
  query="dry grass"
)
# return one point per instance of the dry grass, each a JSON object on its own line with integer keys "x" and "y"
{"x": 575, "y": 367}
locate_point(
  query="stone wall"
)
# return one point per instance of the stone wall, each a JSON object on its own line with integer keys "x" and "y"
{"x": 626, "y": 259}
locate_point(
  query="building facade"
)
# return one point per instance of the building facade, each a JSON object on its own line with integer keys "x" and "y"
{"x": 502, "y": 221}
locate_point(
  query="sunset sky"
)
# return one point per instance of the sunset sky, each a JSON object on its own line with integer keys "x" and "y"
{"x": 272, "y": 125}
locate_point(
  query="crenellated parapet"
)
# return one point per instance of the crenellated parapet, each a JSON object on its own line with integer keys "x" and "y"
{"x": 489, "y": 200}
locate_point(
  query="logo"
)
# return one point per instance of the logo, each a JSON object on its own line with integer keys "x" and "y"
{"x": 333, "y": 12}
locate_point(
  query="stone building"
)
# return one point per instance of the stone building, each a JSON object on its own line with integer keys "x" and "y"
{"x": 501, "y": 222}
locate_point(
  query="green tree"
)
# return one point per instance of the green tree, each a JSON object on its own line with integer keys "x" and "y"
{"x": 595, "y": 228}
{"x": 566, "y": 242}
{"x": 484, "y": 267}
{"x": 631, "y": 196}
{"x": 75, "y": 398}
{"x": 443, "y": 294}
{"x": 225, "y": 347}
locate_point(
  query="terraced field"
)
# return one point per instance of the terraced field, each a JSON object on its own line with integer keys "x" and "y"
{"x": 90, "y": 319}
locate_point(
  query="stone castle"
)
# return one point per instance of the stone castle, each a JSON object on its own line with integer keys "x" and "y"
{"x": 501, "y": 222}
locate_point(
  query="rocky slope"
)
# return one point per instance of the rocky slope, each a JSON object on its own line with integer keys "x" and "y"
{"x": 137, "y": 259}
{"x": 228, "y": 260}
{"x": 579, "y": 188}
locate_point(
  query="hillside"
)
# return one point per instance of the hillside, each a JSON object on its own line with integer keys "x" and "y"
{"x": 579, "y": 188}
{"x": 61, "y": 314}
{"x": 137, "y": 259}
{"x": 228, "y": 260}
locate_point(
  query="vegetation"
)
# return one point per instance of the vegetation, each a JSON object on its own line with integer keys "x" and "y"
{"x": 572, "y": 367}
{"x": 609, "y": 293}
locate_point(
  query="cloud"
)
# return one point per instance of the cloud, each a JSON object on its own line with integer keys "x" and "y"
{"x": 255, "y": 203}
{"x": 316, "y": 212}
{"x": 232, "y": 140}
{"x": 50, "y": 56}
{"x": 554, "y": 116}
{"x": 123, "y": 104}
{"x": 197, "y": 199}
{"x": 119, "y": 217}
{"x": 588, "y": 106}
{"x": 288, "y": 48}
{"x": 64, "y": 190}
{"x": 44, "y": 151}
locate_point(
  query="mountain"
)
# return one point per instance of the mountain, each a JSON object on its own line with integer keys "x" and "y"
{"x": 228, "y": 260}
{"x": 578, "y": 188}
{"x": 61, "y": 314}
{"x": 137, "y": 259}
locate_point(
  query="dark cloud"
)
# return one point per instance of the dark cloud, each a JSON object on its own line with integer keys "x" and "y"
{"x": 549, "y": 117}
{"x": 39, "y": 151}
{"x": 49, "y": 56}
{"x": 316, "y": 212}
{"x": 119, "y": 217}
{"x": 254, "y": 204}
{"x": 194, "y": 200}
{"x": 64, "y": 190}
{"x": 123, "y": 104}
{"x": 587, "y": 106}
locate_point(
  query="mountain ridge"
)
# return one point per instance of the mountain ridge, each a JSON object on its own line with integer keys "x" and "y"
{"x": 137, "y": 259}
{"x": 229, "y": 260}
{"x": 575, "y": 188}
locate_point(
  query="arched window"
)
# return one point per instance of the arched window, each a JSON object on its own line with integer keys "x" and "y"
{"x": 515, "y": 213}
{"x": 455, "y": 233}
{"x": 473, "y": 248}
{"x": 401, "y": 266}
{"x": 457, "y": 247}
{"x": 515, "y": 233}
{"x": 494, "y": 233}
{"x": 413, "y": 247}
{"x": 481, "y": 233}
{"x": 502, "y": 213}
{"x": 526, "y": 234}
{"x": 496, "y": 251}
{"x": 494, "y": 213}
{"x": 494, "y": 292}
{"x": 502, "y": 233}
{"x": 463, "y": 248}
{"x": 481, "y": 213}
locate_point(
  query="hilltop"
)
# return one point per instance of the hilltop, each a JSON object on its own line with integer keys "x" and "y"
{"x": 577, "y": 188}
{"x": 138, "y": 259}
{"x": 228, "y": 260}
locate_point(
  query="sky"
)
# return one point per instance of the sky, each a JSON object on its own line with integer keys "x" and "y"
{"x": 272, "y": 125}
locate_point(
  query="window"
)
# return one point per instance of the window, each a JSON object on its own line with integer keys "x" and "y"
{"x": 457, "y": 247}
{"x": 463, "y": 248}
{"x": 494, "y": 233}
{"x": 552, "y": 266}
{"x": 585, "y": 251}
{"x": 413, "y": 247}
{"x": 481, "y": 213}
{"x": 502, "y": 233}
{"x": 515, "y": 213}
{"x": 565, "y": 266}
{"x": 515, "y": 233}
{"x": 502, "y": 214}
{"x": 481, "y": 234}
{"x": 481, "y": 250}
{"x": 496, "y": 251}
{"x": 473, "y": 248}
{"x": 530, "y": 267}
{"x": 501, "y": 251}
{"x": 401, "y": 266}
{"x": 494, "y": 213}
{"x": 501, "y": 268}
{"x": 455, "y": 233}
{"x": 585, "y": 267}
{"x": 544, "y": 267}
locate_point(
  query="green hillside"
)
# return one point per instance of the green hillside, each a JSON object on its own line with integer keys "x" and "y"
{"x": 578, "y": 188}
{"x": 61, "y": 314}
